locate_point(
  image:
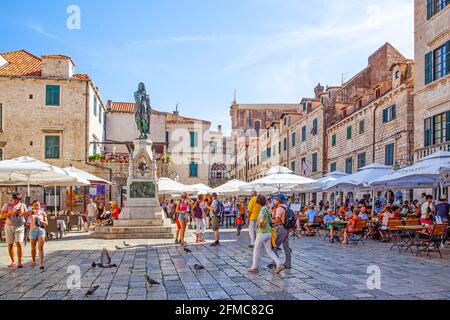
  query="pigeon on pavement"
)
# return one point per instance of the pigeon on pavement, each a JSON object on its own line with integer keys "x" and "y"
{"x": 92, "y": 290}
{"x": 126, "y": 244}
{"x": 150, "y": 281}
{"x": 187, "y": 250}
{"x": 198, "y": 267}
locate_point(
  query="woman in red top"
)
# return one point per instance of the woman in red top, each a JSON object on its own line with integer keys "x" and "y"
{"x": 114, "y": 210}
{"x": 351, "y": 225}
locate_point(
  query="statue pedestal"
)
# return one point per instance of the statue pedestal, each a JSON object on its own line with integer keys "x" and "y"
{"x": 142, "y": 217}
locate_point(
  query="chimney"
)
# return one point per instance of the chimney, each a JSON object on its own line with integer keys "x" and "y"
{"x": 318, "y": 90}
{"x": 176, "y": 112}
{"x": 57, "y": 66}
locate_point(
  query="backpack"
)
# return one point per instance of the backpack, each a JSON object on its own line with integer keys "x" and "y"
{"x": 198, "y": 213}
{"x": 290, "y": 220}
{"x": 219, "y": 210}
{"x": 16, "y": 221}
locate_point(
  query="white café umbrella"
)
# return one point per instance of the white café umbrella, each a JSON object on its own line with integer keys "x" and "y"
{"x": 200, "y": 188}
{"x": 360, "y": 180}
{"x": 74, "y": 172}
{"x": 167, "y": 186}
{"x": 323, "y": 183}
{"x": 427, "y": 173}
{"x": 278, "y": 179}
{"x": 29, "y": 171}
{"x": 230, "y": 188}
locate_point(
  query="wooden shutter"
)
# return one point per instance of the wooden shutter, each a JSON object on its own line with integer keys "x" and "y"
{"x": 447, "y": 126}
{"x": 429, "y": 67}
{"x": 447, "y": 45}
{"x": 394, "y": 112}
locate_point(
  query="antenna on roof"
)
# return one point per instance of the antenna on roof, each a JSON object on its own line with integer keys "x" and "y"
{"x": 177, "y": 112}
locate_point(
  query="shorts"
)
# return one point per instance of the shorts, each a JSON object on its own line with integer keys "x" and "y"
{"x": 384, "y": 228}
{"x": 14, "y": 234}
{"x": 37, "y": 233}
{"x": 335, "y": 226}
{"x": 91, "y": 219}
{"x": 182, "y": 217}
{"x": 215, "y": 223}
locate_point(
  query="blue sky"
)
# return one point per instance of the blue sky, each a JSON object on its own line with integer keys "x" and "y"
{"x": 196, "y": 52}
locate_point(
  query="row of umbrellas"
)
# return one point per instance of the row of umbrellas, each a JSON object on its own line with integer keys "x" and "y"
{"x": 27, "y": 171}
{"x": 430, "y": 172}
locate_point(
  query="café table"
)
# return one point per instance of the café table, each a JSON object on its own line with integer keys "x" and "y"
{"x": 408, "y": 242}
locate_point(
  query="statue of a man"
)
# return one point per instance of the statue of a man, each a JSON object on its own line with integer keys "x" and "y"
{"x": 142, "y": 111}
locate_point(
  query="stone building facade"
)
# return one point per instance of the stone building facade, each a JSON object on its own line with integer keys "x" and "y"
{"x": 50, "y": 113}
{"x": 432, "y": 77}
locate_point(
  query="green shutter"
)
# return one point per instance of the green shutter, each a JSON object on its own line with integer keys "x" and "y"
{"x": 394, "y": 112}
{"x": 429, "y": 67}
{"x": 448, "y": 54}
{"x": 429, "y": 9}
{"x": 349, "y": 133}
{"x": 447, "y": 126}
{"x": 51, "y": 147}
{"x": 333, "y": 140}
{"x": 427, "y": 127}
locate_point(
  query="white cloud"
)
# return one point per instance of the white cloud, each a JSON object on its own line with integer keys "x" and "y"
{"x": 39, "y": 28}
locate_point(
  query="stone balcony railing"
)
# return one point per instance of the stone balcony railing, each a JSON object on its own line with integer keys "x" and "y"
{"x": 425, "y": 152}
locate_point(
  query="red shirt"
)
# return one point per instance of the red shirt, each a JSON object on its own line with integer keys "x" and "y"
{"x": 115, "y": 213}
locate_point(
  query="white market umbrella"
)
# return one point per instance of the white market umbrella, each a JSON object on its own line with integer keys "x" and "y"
{"x": 361, "y": 179}
{"x": 85, "y": 175}
{"x": 230, "y": 188}
{"x": 167, "y": 186}
{"x": 323, "y": 183}
{"x": 278, "y": 179}
{"x": 200, "y": 188}
{"x": 427, "y": 173}
{"x": 29, "y": 171}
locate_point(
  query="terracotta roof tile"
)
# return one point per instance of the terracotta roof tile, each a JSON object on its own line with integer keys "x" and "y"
{"x": 127, "y": 107}
{"x": 23, "y": 63}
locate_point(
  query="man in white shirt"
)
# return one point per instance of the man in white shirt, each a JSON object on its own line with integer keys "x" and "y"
{"x": 91, "y": 210}
{"x": 427, "y": 207}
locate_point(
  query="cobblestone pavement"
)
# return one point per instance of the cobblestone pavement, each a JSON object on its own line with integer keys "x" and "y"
{"x": 320, "y": 271}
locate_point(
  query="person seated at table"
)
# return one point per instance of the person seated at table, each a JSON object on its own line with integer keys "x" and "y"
{"x": 363, "y": 213}
{"x": 329, "y": 221}
{"x": 426, "y": 220}
{"x": 385, "y": 215}
{"x": 351, "y": 226}
{"x": 310, "y": 214}
{"x": 100, "y": 213}
{"x": 396, "y": 211}
{"x": 348, "y": 212}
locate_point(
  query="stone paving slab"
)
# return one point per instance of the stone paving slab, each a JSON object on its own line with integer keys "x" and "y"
{"x": 321, "y": 271}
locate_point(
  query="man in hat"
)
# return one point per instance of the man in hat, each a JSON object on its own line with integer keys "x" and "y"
{"x": 216, "y": 210}
{"x": 282, "y": 232}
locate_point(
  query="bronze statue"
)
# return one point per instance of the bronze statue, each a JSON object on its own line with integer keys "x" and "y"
{"x": 143, "y": 111}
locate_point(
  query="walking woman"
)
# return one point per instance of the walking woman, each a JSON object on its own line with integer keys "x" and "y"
{"x": 183, "y": 215}
{"x": 264, "y": 237}
{"x": 38, "y": 222}
{"x": 199, "y": 215}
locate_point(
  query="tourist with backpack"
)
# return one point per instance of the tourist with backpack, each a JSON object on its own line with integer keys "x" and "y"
{"x": 284, "y": 222}
{"x": 263, "y": 237}
{"x": 216, "y": 212}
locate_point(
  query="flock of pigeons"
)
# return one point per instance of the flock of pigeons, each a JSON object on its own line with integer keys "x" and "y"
{"x": 105, "y": 263}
